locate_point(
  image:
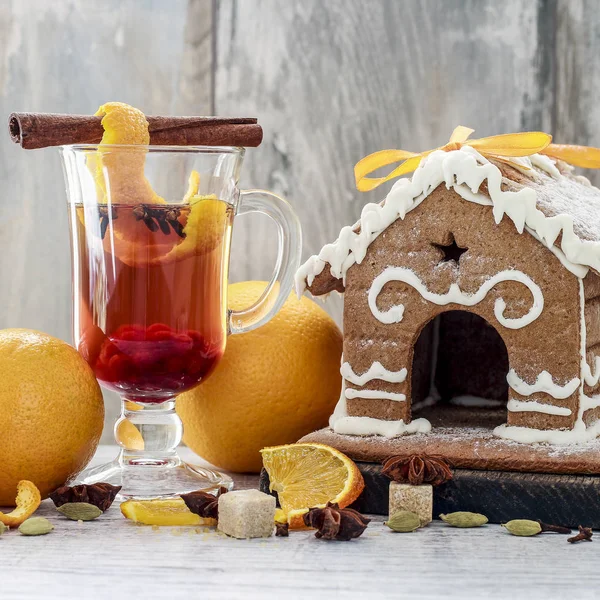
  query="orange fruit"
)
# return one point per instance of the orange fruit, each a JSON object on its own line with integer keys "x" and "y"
{"x": 162, "y": 512}
{"x": 273, "y": 385}
{"x": 51, "y": 412}
{"x": 308, "y": 476}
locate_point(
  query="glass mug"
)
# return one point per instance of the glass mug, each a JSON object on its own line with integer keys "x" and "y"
{"x": 151, "y": 231}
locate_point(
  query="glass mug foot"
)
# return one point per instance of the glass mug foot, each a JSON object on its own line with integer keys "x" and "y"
{"x": 145, "y": 478}
{"x": 148, "y": 465}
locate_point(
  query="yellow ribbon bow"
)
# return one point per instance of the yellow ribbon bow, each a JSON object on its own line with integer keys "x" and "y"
{"x": 496, "y": 146}
{"x": 586, "y": 157}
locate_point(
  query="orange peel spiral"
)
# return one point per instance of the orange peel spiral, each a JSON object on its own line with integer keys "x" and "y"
{"x": 117, "y": 166}
{"x": 27, "y": 502}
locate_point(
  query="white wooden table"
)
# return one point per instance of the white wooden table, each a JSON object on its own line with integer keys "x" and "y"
{"x": 114, "y": 558}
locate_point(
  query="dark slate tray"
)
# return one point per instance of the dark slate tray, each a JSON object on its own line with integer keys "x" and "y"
{"x": 569, "y": 500}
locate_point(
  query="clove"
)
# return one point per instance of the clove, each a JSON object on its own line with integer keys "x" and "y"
{"x": 553, "y": 528}
{"x": 584, "y": 535}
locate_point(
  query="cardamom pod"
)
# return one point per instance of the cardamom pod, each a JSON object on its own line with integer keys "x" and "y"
{"x": 79, "y": 511}
{"x": 3, "y": 528}
{"x": 464, "y": 519}
{"x": 403, "y": 521}
{"x": 522, "y": 527}
{"x": 36, "y": 526}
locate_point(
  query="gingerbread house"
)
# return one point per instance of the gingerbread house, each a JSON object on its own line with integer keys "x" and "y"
{"x": 473, "y": 284}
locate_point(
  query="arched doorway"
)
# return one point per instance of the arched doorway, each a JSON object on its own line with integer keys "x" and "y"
{"x": 459, "y": 372}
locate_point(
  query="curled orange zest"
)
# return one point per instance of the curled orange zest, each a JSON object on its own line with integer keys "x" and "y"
{"x": 585, "y": 157}
{"x": 507, "y": 145}
{"x": 27, "y": 502}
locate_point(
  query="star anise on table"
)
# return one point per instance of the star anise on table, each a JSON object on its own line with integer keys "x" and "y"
{"x": 204, "y": 504}
{"x": 101, "y": 495}
{"x": 335, "y": 523}
{"x": 417, "y": 469}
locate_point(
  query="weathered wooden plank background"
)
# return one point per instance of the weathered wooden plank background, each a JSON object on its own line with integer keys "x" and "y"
{"x": 330, "y": 82}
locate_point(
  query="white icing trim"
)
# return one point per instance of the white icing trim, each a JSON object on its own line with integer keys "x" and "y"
{"x": 388, "y": 429}
{"x": 464, "y": 170}
{"x": 590, "y": 378}
{"x": 475, "y": 401}
{"x": 341, "y": 423}
{"x": 374, "y": 395}
{"x": 541, "y": 161}
{"x": 534, "y": 406}
{"x": 527, "y": 435}
{"x": 455, "y": 295}
{"x": 543, "y": 383}
{"x": 375, "y": 371}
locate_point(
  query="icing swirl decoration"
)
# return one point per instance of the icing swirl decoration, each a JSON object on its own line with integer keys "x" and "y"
{"x": 456, "y": 296}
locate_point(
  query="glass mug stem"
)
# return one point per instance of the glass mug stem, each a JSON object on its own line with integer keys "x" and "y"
{"x": 148, "y": 433}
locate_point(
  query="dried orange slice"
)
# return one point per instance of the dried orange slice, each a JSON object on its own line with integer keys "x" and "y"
{"x": 162, "y": 512}
{"x": 27, "y": 502}
{"x": 310, "y": 475}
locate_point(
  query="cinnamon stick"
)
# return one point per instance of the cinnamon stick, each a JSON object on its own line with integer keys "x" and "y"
{"x": 41, "y": 130}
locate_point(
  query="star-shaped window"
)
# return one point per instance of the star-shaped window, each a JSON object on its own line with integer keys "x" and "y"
{"x": 451, "y": 252}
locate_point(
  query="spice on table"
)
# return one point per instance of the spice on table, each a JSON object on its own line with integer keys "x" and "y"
{"x": 417, "y": 469}
{"x": 584, "y": 535}
{"x": 464, "y": 519}
{"x": 553, "y": 528}
{"x": 79, "y": 511}
{"x": 522, "y": 527}
{"x": 335, "y": 523}
{"x": 36, "y": 526}
{"x": 101, "y": 495}
{"x": 404, "y": 521}
{"x": 203, "y": 503}
{"x": 282, "y": 529}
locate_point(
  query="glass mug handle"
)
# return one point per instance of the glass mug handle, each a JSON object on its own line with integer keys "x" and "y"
{"x": 288, "y": 259}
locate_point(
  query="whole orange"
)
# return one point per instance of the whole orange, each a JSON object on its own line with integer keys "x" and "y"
{"x": 51, "y": 412}
{"x": 273, "y": 385}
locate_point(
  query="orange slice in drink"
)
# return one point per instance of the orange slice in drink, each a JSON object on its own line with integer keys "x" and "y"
{"x": 162, "y": 512}
{"x": 308, "y": 476}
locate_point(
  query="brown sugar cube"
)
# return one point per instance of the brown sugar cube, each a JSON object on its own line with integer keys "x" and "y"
{"x": 414, "y": 498}
{"x": 246, "y": 514}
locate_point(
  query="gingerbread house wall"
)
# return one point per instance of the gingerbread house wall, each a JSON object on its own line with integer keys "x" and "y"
{"x": 591, "y": 287}
{"x": 550, "y": 343}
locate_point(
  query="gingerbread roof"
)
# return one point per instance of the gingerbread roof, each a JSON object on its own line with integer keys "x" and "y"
{"x": 539, "y": 195}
